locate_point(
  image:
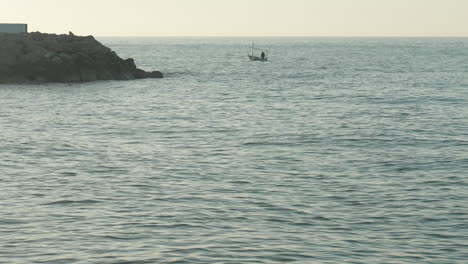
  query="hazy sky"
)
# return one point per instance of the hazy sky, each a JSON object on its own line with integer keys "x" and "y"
{"x": 241, "y": 17}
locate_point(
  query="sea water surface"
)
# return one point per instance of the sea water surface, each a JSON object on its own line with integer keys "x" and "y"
{"x": 336, "y": 150}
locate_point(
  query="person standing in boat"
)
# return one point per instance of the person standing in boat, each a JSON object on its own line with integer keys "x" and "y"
{"x": 262, "y": 55}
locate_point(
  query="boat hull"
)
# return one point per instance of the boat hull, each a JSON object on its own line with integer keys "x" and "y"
{"x": 256, "y": 58}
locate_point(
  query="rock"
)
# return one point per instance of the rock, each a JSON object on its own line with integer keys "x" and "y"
{"x": 141, "y": 74}
{"x": 155, "y": 74}
{"x": 42, "y": 57}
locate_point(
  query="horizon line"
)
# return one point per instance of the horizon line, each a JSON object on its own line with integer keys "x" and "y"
{"x": 279, "y": 36}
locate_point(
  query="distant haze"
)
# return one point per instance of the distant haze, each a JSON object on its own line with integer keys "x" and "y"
{"x": 242, "y": 17}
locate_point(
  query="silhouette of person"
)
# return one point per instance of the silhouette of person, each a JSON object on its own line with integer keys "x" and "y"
{"x": 262, "y": 55}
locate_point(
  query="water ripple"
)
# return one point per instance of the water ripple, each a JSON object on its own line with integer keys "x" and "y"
{"x": 341, "y": 150}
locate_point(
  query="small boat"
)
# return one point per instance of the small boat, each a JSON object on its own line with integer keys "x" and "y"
{"x": 263, "y": 56}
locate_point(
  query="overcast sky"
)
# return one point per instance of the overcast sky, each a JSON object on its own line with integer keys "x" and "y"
{"x": 241, "y": 17}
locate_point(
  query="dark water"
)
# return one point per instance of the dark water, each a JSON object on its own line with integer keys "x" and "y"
{"x": 335, "y": 151}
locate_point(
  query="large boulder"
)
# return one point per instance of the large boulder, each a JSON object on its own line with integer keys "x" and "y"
{"x": 38, "y": 57}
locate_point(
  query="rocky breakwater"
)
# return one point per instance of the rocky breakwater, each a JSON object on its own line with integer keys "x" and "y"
{"x": 39, "y": 57}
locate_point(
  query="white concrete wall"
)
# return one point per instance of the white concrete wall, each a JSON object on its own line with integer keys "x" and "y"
{"x": 13, "y": 28}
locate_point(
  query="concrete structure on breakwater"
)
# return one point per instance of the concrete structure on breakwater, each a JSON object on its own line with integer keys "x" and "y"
{"x": 13, "y": 28}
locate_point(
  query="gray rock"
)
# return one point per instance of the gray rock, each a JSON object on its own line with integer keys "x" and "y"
{"x": 155, "y": 74}
{"x": 42, "y": 57}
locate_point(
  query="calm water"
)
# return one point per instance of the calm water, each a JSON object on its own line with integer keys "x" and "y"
{"x": 347, "y": 150}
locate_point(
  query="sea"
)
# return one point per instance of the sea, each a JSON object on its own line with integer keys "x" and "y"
{"x": 335, "y": 150}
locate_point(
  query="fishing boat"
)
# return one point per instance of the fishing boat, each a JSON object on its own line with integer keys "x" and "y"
{"x": 263, "y": 55}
